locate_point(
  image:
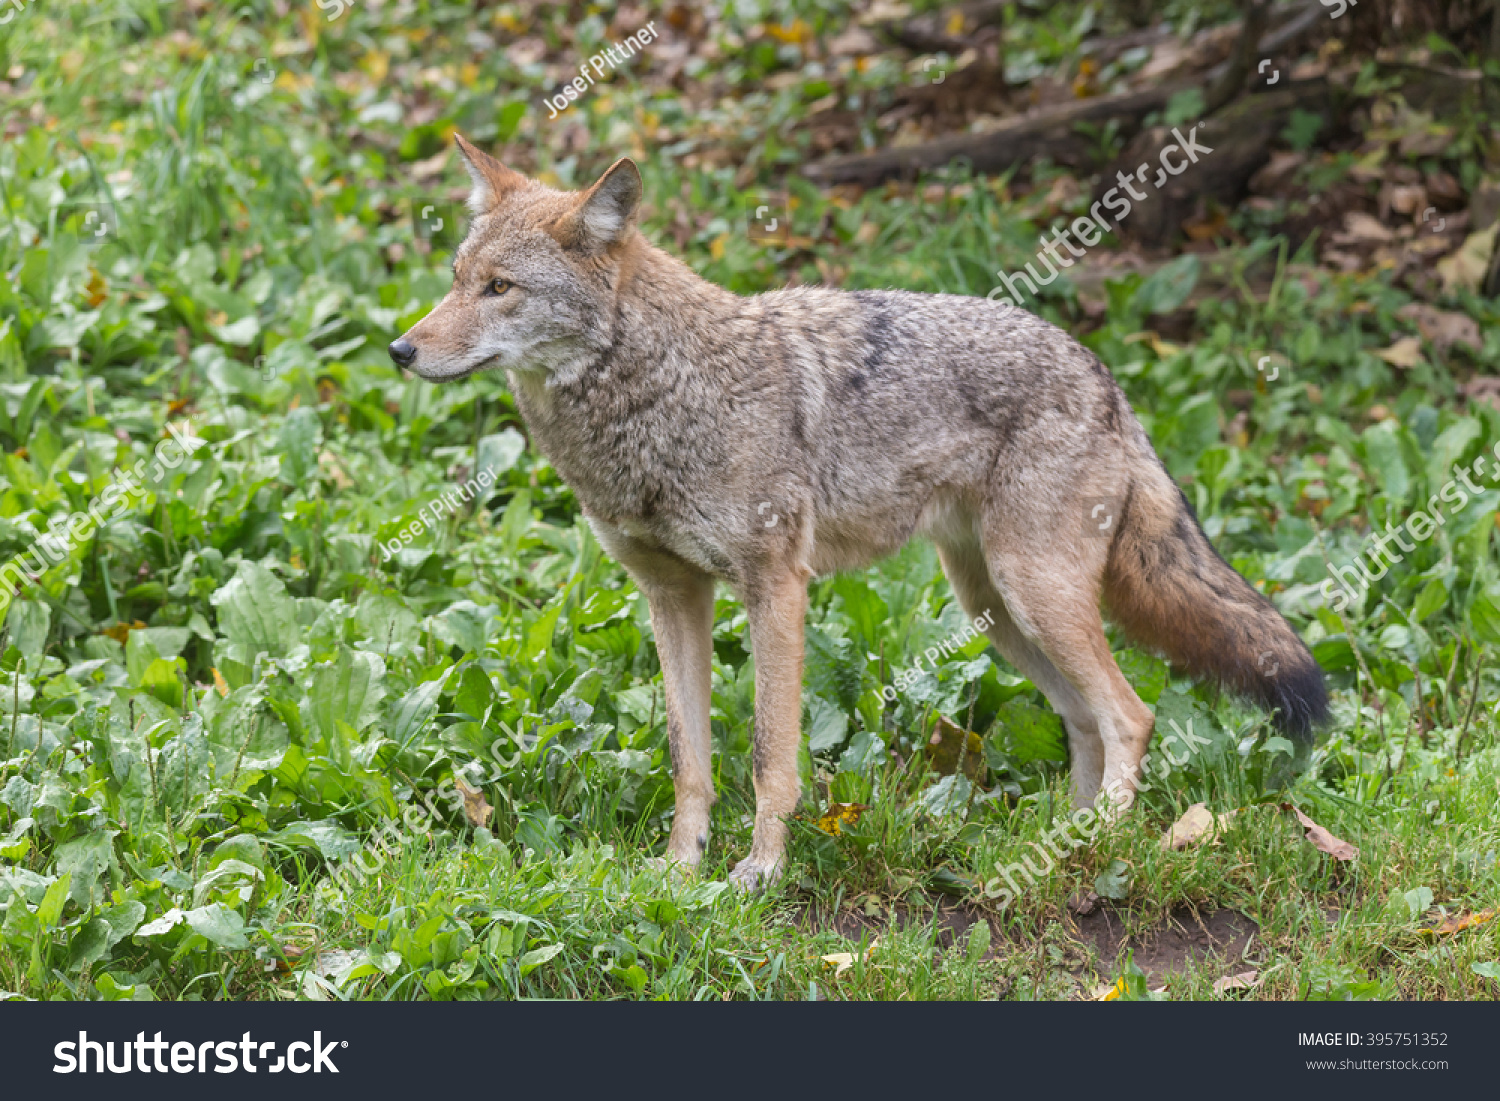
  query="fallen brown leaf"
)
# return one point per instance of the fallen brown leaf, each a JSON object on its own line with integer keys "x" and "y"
{"x": 1405, "y": 353}
{"x": 1466, "y": 268}
{"x": 476, "y": 809}
{"x": 1444, "y": 328}
{"x": 842, "y": 961}
{"x": 1083, "y": 902}
{"x": 1361, "y": 229}
{"x": 944, "y": 746}
{"x": 1457, "y": 923}
{"x": 1245, "y": 980}
{"x": 1322, "y": 840}
{"x": 1196, "y": 822}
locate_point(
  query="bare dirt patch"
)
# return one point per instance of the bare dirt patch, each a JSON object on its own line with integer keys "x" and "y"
{"x": 952, "y": 922}
{"x": 1179, "y": 941}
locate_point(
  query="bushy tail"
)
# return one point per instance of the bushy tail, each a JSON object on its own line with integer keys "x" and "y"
{"x": 1167, "y": 587}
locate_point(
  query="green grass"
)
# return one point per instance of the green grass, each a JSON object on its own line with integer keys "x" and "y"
{"x": 214, "y": 701}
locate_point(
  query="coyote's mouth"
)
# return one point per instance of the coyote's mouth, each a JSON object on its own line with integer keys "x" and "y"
{"x": 460, "y": 375}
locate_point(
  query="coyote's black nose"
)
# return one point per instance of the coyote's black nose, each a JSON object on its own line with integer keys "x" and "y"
{"x": 402, "y": 352}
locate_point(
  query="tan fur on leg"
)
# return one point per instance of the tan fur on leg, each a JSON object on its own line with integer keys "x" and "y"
{"x": 776, "y": 610}
{"x": 1054, "y": 601}
{"x": 967, "y": 572}
{"x": 681, "y": 599}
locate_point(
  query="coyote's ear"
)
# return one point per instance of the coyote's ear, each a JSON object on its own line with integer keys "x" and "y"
{"x": 606, "y": 212}
{"x": 492, "y": 180}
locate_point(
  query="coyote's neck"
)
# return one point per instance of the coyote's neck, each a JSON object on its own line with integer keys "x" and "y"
{"x": 651, "y": 399}
{"x": 664, "y": 307}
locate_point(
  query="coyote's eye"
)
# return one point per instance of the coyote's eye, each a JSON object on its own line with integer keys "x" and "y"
{"x": 498, "y": 286}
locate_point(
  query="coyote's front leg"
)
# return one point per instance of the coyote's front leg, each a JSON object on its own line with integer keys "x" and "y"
{"x": 776, "y": 605}
{"x": 681, "y": 599}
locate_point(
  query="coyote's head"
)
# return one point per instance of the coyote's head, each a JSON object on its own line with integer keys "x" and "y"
{"x": 534, "y": 280}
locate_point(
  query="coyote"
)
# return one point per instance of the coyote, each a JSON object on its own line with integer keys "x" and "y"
{"x": 760, "y": 441}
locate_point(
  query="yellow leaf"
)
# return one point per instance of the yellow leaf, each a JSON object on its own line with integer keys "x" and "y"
{"x": 955, "y": 24}
{"x": 1466, "y": 268}
{"x": 376, "y": 63}
{"x": 96, "y": 289}
{"x": 840, "y": 815}
{"x": 121, "y": 631}
{"x": 220, "y": 683}
{"x": 1405, "y": 353}
{"x": 793, "y": 35}
{"x": 842, "y": 961}
{"x": 944, "y": 746}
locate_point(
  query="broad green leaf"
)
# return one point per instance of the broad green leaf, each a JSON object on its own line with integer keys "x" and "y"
{"x": 49, "y": 913}
{"x": 538, "y": 956}
{"x": 256, "y": 615}
{"x": 1167, "y": 288}
{"x": 219, "y": 925}
{"x": 829, "y": 725}
{"x": 30, "y": 622}
{"x": 386, "y": 624}
{"x": 1383, "y": 456}
{"x": 1432, "y": 597}
{"x": 84, "y": 861}
{"x": 418, "y": 706}
{"x": 301, "y": 433}
{"x": 1114, "y": 881}
{"x": 1484, "y": 614}
{"x": 979, "y": 941}
{"x": 539, "y": 635}
{"x": 348, "y": 690}
{"x": 1029, "y": 733}
{"x": 498, "y": 453}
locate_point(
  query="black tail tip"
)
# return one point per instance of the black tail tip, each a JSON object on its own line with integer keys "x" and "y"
{"x": 1299, "y": 698}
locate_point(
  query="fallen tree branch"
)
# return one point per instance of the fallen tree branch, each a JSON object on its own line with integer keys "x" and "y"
{"x": 1015, "y": 140}
{"x": 1246, "y": 47}
{"x": 1240, "y": 137}
{"x": 1051, "y": 131}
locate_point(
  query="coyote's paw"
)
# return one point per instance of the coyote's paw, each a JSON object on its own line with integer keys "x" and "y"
{"x": 751, "y": 875}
